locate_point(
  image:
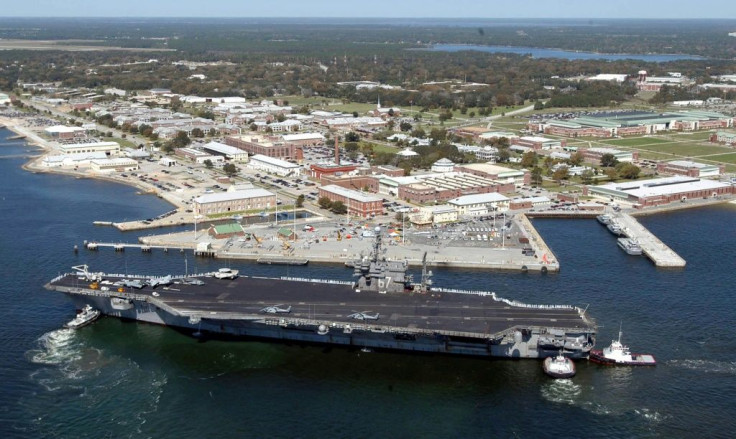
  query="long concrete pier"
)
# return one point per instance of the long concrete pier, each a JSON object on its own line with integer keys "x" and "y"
{"x": 656, "y": 250}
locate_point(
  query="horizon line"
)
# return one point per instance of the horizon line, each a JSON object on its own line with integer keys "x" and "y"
{"x": 375, "y": 17}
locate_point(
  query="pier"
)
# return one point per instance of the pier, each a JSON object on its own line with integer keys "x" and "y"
{"x": 120, "y": 246}
{"x": 653, "y": 248}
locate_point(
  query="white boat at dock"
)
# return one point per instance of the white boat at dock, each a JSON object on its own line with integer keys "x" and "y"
{"x": 630, "y": 246}
{"x": 615, "y": 229}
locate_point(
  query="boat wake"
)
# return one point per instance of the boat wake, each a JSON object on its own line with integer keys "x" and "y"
{"x": 566, "y": 391}
{"x": 563, "y": 391}
{"x": 707, "y": 366}
{"x": 88, "y": 380}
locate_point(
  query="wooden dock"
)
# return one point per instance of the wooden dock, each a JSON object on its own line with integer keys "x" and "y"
{"x": 656, "y": 250}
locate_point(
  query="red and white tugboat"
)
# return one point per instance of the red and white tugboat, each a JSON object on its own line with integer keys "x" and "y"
{"x": 559, "y": 366}
{"x": 619, "y": 354}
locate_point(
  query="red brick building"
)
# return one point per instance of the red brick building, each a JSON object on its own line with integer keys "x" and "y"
{"x": 358, "y": 203}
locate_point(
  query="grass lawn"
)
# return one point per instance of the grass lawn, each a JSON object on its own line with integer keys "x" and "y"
{"x": 686, "y": 149}
{"x": 124, "y": 143}
{"x": 377, "y": 147}
{"x": 636, "y": 141}
{"x": 722, "y": 158}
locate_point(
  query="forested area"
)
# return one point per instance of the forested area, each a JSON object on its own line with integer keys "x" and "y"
{"x": 266, "y": 58}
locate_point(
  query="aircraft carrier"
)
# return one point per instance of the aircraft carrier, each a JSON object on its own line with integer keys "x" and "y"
{"x": 382, "y": 309}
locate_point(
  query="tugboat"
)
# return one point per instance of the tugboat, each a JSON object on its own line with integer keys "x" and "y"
{"x": 86, "y": 316}
{"x": 619, "y": 354}
{"x": 559, "y": 366}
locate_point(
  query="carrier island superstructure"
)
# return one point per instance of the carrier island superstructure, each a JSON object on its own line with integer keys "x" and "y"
{"x": 382, "y": 309}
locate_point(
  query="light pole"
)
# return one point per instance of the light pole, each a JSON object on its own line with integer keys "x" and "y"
{"x": 196, "y": 217}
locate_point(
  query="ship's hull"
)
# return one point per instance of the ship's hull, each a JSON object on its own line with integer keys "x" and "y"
{"x": 378, "y": 312}
{"x": 518, "y": 344}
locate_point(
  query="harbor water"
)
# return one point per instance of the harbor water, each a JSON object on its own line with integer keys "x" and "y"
{"x": 121, "y": 379}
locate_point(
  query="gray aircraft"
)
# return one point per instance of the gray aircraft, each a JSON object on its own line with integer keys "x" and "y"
{"x": 156, "y": 281}
{"x": 277, "y": 309}
{"x": 364, "y": 315}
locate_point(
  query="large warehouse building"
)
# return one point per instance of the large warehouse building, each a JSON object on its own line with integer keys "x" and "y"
{"x": 237, "y": 201}
{"x": 659, "y": 191}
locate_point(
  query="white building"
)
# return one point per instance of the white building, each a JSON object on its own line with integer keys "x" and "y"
{"x": 443, "y": 165}
{"x": 441, "y": 214}
{"x": 109, "y": 148}
{"x": 480, "y": 204}
{"x": 106, "y": 166}
{"x": 69, "y": 160}
{"x": 273, "y": 165}
{"x": 227, "y": 151}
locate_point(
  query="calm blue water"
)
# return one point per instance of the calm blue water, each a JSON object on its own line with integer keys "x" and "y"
{"x": 128, "y": 380}
{"x": 537, "y": 52}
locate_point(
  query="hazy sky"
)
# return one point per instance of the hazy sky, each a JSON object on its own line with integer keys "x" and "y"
{"x": 374, "y": 8}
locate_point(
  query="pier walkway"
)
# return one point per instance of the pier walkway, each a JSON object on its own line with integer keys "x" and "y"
{"x": 656, "y": 250}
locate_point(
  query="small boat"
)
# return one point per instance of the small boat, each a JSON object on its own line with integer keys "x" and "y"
{"x": 604, "y": 219}
{"x": 630, "y": 246}
{"x": 615, "y": 229}
{"x": 86, "y": 316}
{"x": 619, "y": 354}
{"x": 559, "y": 366}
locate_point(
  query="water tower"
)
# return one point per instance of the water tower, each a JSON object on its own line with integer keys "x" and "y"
{"x": 642, "y": 75}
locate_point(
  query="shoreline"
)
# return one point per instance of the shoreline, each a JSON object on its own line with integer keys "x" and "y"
{"x": 483, "y": 258}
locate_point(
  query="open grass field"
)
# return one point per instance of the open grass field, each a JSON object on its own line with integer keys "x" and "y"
{"x": 636, "y": 141}
{"x": 686, "y": 149}
{"x": 723, "y": 158}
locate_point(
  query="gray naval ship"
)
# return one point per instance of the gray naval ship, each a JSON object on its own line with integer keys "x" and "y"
{"x": 382, "y": 309}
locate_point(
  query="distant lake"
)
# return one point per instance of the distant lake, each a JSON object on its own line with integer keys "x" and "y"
{"x": 536, "y": 52}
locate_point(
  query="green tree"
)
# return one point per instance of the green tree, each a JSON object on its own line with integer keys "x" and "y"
{"x": 627, "y": 170}
{"x": 352, "y": 137}
{"x": 576, "y": 158}
{"x": 230, "y": 169}
{"x": 181, "y": 140}
{"x": 300, "y": 200}
{"x": 608, "y": 160}
{"x": 537, "y": 176}
{"x": 560, "y": 174}
{"x": 324, "y": 203}
{"x": 339, "y": 207}
{"x": 611, "y": 174}
{"x": 208, "y": 164}
{"x": 529, "y": 160}
{"x": 538, "y": 105}
{"x": 198, "y": 133}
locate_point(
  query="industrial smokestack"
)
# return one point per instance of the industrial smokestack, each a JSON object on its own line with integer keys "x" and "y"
{"x": 337, "y": 150}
